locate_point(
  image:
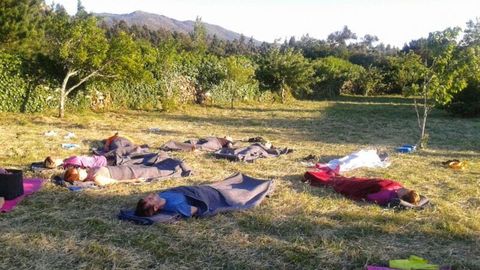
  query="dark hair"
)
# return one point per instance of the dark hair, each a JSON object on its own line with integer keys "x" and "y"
{"x": 49, "y": 163}
{"x": 144, "y": 209}
{"x": 71, "y": 175}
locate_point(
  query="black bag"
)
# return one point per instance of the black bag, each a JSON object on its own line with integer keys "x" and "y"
{"x": 11, "y": 184}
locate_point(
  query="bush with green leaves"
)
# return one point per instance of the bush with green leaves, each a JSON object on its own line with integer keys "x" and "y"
{"x": 124, "y": 95}
{"x": 211, "y": 72}
{"x": 284, "y": 71}
{"x": 335, "y": 76}
{"x": 467, "y": 102}
{"x": 18, "y": 92}
{"x": 239, "y": 82}
{"x": 370, "y": 82}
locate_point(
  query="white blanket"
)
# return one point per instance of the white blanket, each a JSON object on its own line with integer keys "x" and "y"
{"x": 363, "y": 158}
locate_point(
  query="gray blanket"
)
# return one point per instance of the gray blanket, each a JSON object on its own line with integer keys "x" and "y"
{"x": 147, "y": 159}
{"x": 237, "y": 192}
{"x": 162, "y": 167}
{"x": 209, "y": 144}
{"x": 251, "y": 153}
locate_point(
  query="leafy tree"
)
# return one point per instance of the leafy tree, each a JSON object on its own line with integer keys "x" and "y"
{"x": 368, "y": 40}
{"x": 211, "y": 72}
{"x": 199, "y": 36}
{"x": 284, "y": 71}
{"x": 240, "y": 77}
{"x": 434, "y": 82}
{"x": 340, "y": 38}
{"x": 334, "y": 75}
{"x": 20, "y": 25}
{"x": 472, "y": 33}
{"x": 84, "y": 51}
{"x": 371, "y": 82}
{"x": 216, "y": 46}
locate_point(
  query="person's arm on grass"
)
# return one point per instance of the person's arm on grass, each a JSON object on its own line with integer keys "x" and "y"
{"x": 101, "y": 180}
{"x": 193, "y": 210}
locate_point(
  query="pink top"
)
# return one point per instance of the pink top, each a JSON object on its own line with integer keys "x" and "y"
{"x": 85, "y": 162}
{"x": 384, "y": 196}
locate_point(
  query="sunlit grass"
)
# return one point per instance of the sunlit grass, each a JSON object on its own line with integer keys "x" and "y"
{"x": 298, "y": 227}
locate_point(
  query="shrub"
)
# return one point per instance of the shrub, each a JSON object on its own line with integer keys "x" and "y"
{"x": 466, "y": 103}
{"x": 18, "y": 92}
{"x": 335, "y": 76}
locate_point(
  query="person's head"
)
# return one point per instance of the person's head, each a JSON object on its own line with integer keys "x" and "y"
{"x": 75, "y": 174}
{"x": 51, "y": 163}
{"x": 228, "y": 138}
{"x": 149, "y": 205}
{"x": 268, "y": 144}
{"x": 411, "y": 196}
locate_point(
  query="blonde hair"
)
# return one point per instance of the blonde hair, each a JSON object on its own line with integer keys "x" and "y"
{"x": 412, "y": 197}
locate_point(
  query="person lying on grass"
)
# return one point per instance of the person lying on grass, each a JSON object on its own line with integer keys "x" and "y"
{"x": 76, "y": 161}
{"x": 375, "y": 190}
{"x": 165, "y": 167}
{"x": 237, "y": 192}
{"x": 117, "y": 141}
{"x": 100, "y": 175}
{"x": 168, "y": 201}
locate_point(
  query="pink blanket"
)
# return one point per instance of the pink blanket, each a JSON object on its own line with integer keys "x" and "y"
{"x": 30, "y": 186}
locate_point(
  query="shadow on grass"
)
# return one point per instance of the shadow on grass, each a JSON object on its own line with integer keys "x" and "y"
{"x": 342, "y": 123}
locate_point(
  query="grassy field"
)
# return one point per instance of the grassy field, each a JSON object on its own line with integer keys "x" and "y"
{"x": 299, "y": 227}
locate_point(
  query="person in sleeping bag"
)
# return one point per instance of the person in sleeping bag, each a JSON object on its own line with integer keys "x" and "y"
{"x": 375, "y": 190}
{"x": 164, "y": 167}
{"x": 168, "y": 201}
{"x": 116, "y": 141}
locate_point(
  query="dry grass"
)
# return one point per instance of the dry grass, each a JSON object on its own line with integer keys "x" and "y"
{"x": 298, "y": 227}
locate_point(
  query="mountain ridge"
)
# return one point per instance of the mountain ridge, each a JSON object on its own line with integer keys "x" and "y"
{"x": 157, "y": 21}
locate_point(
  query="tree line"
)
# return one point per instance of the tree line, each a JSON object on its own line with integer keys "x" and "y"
{"x": 49, "y": 58}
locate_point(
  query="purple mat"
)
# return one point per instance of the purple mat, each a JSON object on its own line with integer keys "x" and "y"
{"x": 30, "y": 186}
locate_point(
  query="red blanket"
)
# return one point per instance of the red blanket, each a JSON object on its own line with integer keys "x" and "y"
{"x": 352, "y": 187}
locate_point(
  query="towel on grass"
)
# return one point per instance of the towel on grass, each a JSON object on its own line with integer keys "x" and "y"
{"x": 30, "y": 186}
{"x": 251, "y": 153}
{"x": 237, "y": 192}
{"x": 209, "y": 144}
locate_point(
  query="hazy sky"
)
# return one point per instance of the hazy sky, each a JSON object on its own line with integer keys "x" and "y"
{"x": 393, "y": 21}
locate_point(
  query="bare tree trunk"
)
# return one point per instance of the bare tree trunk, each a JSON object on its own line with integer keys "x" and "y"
{"x": 422, "y": 123}
{"x": 61, "y": 108}
{"x": 63, "y": 94}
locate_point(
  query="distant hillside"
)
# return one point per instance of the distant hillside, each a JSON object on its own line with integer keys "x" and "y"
{"x": 155, "y": 21}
